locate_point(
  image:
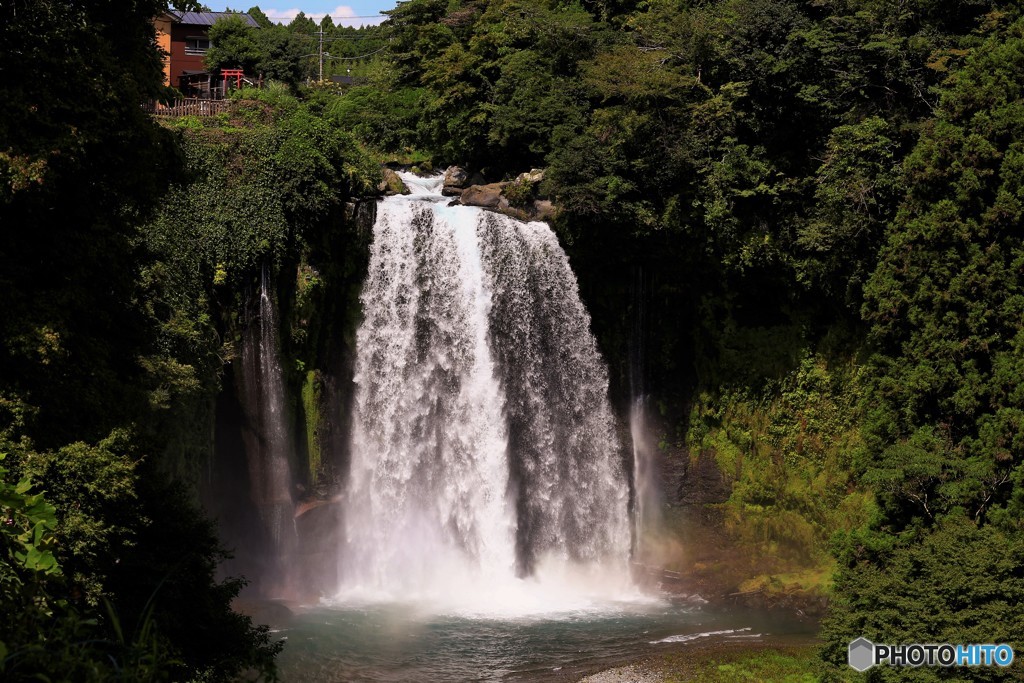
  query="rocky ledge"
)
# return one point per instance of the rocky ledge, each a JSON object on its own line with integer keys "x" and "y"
{"x": 520, "y": 198}
{"x": 391, "y": 183}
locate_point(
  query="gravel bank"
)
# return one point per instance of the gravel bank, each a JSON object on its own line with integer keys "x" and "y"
{"x": 625, "y": 674}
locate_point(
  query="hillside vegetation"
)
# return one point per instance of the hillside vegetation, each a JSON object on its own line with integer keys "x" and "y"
{"x": 806, "y": 213}
{"x": 822, "y": 200}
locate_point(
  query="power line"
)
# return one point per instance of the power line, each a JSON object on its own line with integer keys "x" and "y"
{"x": 331, "y": 39}
{"x": 320, "y": 55}
{"x": 352, "y": 59}
{"x": 334, "y": 16}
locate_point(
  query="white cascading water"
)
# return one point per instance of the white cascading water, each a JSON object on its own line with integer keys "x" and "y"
{"x": 486, "y": 473}
{"x": 268, "y": 445}
{"x": 647, "y": 522}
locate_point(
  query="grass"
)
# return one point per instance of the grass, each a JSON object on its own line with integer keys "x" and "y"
{"x": 778, "y": 664}
{"x": 814, "y": 581}
{"x": 311, "y": 409}
{"x": 406, "y": 157}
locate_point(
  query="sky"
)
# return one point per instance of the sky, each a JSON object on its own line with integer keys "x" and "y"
{"x": 355, "y": 13}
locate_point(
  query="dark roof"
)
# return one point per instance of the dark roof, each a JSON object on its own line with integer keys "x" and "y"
{"x": 209, "y": 18}
{"x": 344, "y": 80}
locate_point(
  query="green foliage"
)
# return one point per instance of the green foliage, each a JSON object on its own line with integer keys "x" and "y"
{"x": 946, "y": 301}
{"x": 95, "y": 487}
{"x": 271, "y": 51}
{"x": 260, "y": 17}
{"x": 499, "y": 80}
{"x": 857, "y": 185}
{"x": 90, "y": 379}
{"x": 233, "y": 44}
{"x": 518, "y": 193}
{"x": 385, "y": 119}
{"x": 270, "y": 177}
{"x": 262, "y": 186}
{"x": 69, "y": 281}
{"x": 127, "y": 552}
{"x": 311, "y": 414}
{"x": 44, "y": 634}
{"x": 956, "y": 584}
{"x": 769, "y": 667}
{"x": 177, "y": 564}
{"x": 27, "y": 522}
{"x": 788, "y": 449}
{"x": 944, "y": 452}
{"x": 777, "y": 664}
{"x": 282, "y": 55}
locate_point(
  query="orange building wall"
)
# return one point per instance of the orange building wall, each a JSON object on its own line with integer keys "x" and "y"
{"x": 163, "y": 41}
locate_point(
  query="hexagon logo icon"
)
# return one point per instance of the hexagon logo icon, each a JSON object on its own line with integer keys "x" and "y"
{"x": 861, "y": 654}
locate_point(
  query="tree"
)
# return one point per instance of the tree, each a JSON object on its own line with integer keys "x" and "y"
{"x": 282, "y": 55}
{"x": 260, "y": 17}
{"x": 857, "y": 194}
{"x": 302, "y": 24}
{"x": 83, "y": 378}
{"x": 81, "y": 163}
{"x": 946, "y": 411}
{"x": 233, "y": 44}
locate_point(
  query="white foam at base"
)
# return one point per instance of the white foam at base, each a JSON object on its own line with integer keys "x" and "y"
{"x": 687, "y": 637}
{"x": 555, "y": 590}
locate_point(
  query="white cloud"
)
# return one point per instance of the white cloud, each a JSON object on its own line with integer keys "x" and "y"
{"x": 342, "y": 15}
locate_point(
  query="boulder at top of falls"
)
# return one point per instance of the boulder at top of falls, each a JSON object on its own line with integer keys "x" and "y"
{"x": 391, "y": 184}
{"x": 533, "y": 176}
{"x": 487, "y": 196}
{"x": 492, "y": 197}
{"x": 455, "y": 179}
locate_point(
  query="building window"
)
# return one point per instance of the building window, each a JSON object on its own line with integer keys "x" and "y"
{"x": 197, "y": 45}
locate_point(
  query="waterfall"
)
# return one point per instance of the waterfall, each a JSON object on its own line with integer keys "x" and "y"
{"x": 484, "y": 454}
{"x": 267, "y": 437}
{"x": 646, "y": 489}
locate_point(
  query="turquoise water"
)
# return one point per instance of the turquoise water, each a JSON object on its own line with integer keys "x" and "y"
{"x": 400, "y": 643}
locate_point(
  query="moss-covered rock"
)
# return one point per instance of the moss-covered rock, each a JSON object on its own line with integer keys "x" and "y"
{"x": 391, "y": 184}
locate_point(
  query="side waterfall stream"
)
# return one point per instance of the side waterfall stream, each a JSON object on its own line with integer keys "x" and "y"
{"x": 485, "y": 528}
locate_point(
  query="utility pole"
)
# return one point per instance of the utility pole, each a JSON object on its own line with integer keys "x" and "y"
{"x": 321, "y": 54}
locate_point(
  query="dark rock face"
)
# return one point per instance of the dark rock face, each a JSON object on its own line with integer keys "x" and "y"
{"x": 361, "y": 214}
{"x": 455, "y": 180}
{"x": 317, "y": 561}
{"x": 696, "y": 481}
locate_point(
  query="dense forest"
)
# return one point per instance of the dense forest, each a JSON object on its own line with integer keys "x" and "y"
{"x": 806, "y": 213}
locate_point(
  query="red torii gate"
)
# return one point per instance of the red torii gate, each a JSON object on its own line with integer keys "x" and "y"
{"x": 232, "y": 73}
